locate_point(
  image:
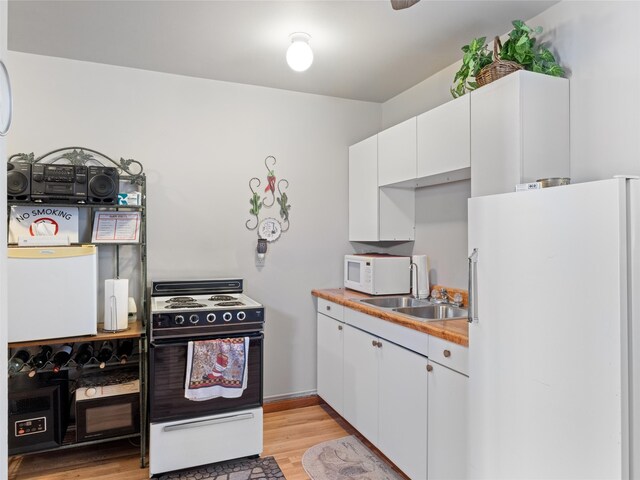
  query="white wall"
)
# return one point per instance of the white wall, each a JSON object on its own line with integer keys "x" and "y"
{"x": 201, "y": 141}
{"x": 591, "y": 38}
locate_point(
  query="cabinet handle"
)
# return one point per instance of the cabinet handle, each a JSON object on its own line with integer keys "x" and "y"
{"x": 472, "y": 316}
{"x": 429, "y": 368}
{"x": 446, "y": 353}
{"x": 339, "y": 327}
{"x": 374, "y": 343}
{"x": 328, "y": 307}
{"x": 379, "y": 345}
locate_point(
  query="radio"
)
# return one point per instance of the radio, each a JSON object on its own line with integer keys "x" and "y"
{"x": 18, "y": 181}
{"x": 59, "y": 183}
{"x": 103, "y": 185}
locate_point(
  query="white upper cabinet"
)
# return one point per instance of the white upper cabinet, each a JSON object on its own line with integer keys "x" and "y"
{"x": 397, "y": 153}
{"x": 444, "y": 143}
{"x": 363, "y": 190}
{"x": 376, "y": 214}
{"x": 519, "y": 132}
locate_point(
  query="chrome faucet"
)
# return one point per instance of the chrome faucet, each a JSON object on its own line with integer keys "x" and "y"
{"x": 443, "y": 296}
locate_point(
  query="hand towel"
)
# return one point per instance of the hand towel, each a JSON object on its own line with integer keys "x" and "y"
{"x": 216, "y": 368}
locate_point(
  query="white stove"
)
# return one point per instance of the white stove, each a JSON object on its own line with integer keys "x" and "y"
{"x": 222, "y": 308}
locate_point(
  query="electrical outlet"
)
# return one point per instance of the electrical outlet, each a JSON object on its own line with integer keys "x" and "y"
{"x": 260, "y": 260}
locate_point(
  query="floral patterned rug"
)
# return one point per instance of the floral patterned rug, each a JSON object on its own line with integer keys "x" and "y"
{"x": 345, "y": 459}
{"x": 242, "y": 469}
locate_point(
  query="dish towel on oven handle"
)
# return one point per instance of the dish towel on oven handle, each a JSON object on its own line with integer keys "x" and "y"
{"x": 216, "y": 368}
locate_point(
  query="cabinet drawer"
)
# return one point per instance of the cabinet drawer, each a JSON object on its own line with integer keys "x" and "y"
{"x": 330, "y": 309}
{"x": 449, "y": 354}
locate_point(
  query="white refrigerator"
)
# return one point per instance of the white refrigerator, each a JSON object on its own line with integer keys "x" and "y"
{"x": 554, "y": 338}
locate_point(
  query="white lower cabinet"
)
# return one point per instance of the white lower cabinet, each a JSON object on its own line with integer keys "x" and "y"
{"x": 330, "y": 368}
{"x": 402, "y": 403}
{"x": 447, "y": 423}
{"x": 385, "y": 398}
{"x": 361, "y": 382}
{"x": 411, "y": 408}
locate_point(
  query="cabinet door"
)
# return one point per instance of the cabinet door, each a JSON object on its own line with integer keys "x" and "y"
{"x": 397, "y": 153}
{"x": 403, "y": 400}
{"x": 447, "y": 423}
{"x": 360, "y": 406}
{"x": 363, "y": 190}
{"x": 444, "y": 139}
{"x": 330, "y": 376}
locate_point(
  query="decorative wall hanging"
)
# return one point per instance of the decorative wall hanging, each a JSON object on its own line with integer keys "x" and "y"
{"x": 268, "y": 228}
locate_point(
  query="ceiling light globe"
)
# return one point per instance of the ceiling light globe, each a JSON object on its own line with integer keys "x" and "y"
{"x": 299, "y": 53}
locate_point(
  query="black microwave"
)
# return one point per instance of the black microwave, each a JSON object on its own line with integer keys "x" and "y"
{"x": 38, "y": 412}
{"x": 107, "y": 409}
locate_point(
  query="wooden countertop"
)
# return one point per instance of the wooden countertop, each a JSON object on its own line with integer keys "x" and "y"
{"x": 456, "y": 331}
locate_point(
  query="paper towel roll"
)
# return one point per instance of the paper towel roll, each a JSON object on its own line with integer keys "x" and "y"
{"x": 116, "y": 303}
{"x": 420, "y": 276}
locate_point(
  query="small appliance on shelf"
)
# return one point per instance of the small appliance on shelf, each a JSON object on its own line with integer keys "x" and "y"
{"x": 377, "y": 274}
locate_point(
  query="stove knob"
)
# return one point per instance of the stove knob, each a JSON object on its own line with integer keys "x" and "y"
{"x": 91, "y": 391}
{"x": 211, "y": 317}
{"x": 179, "y": 319}
{"x": 194, "y": 319}
{"x": 227, "y": 316}
{"x": 242, "y": 316}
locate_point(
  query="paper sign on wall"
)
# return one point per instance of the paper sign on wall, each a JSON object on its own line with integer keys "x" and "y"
{"x": 116, "y": 227}
{"x": 55, "y": 223}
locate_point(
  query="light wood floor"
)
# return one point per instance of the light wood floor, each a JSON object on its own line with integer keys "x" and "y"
{"x": 287, "y": 435}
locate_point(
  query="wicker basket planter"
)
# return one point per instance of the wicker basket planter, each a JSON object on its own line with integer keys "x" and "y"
{"x": 498, "y": 68}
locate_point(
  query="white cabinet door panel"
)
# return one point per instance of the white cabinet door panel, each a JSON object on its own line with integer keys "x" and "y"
{"x": 402, "y": 434}
{"x": 444, "y": 139}
{"x": 361, "y": 382}
{"x": 330, "y": 355}
{"x": 447, "y": 423}
{"x": 397, "y": 153}
{"x": 363, "y": 190}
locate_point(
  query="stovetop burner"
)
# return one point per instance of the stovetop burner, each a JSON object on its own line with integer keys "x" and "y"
{"x": 185, "y": 305}
{"x": 222, "y": 298}
{"x": 181, "y": 300}
{"x": 233, "y": 303}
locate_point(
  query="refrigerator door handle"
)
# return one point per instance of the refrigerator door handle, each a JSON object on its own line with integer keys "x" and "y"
{"x": 472, "y": 315}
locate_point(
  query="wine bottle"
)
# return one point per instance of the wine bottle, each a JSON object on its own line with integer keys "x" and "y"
{"x": 84, "y": 354}
{"x": 125, "y": 348}
{"x": 19, "y": 359}
{"x": 61, "y": 357}
{"x": 40, "y": 358}
{"x": 105, "y": 353}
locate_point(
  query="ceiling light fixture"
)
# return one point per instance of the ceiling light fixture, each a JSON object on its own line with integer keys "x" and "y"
{"x": 299, "y": 53}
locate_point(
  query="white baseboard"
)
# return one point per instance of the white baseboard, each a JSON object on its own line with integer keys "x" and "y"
{"x": 289, "y": 396}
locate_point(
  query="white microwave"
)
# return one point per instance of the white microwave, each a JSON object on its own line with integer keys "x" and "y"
{"x": 377, "y": 274}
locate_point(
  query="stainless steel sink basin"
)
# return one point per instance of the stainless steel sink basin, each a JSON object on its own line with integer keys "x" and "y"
{"x": 433, "y": 312}
{"x": 395, "y": 302}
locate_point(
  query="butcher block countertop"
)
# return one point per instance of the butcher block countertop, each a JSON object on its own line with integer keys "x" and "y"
{"x": 456, "y": 331}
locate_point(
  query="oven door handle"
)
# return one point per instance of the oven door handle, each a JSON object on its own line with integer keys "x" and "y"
{"x": 205, "y": 423}
{"x": 175, "y": 343}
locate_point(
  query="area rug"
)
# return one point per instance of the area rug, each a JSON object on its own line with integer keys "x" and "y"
{"x": 242, "y": 469}
{"x": 343, "y": 459}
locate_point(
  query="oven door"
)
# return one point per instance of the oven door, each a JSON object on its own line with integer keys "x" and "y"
{"x": 168, "y": 366}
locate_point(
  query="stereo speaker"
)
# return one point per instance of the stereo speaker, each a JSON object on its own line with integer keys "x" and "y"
{"x": 103, "y": 185}
{"x": 18, "y": 182}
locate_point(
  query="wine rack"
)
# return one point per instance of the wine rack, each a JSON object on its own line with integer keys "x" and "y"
{"x": 93, "y": 363}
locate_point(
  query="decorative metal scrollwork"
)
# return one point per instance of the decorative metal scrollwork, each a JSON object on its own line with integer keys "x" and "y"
{"x": 275, "y": 191}
{"x": 128, "y": 169}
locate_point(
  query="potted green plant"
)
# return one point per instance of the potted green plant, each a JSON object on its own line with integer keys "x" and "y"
{"x": 476, "y": 56}
{"x": 521, "y": 50}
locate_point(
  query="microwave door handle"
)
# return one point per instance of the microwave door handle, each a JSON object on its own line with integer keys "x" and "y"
{"x": 205, "y": 423}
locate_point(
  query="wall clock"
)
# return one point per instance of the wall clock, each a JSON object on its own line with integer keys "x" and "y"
{"x": 269, "y": 229}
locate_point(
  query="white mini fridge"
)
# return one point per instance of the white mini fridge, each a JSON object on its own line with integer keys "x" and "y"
{"x": 52, "y": 292}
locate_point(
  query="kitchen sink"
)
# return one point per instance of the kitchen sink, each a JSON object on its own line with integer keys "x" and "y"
{"x": 395, "y": 302}
{"x": 433, "y": 312}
